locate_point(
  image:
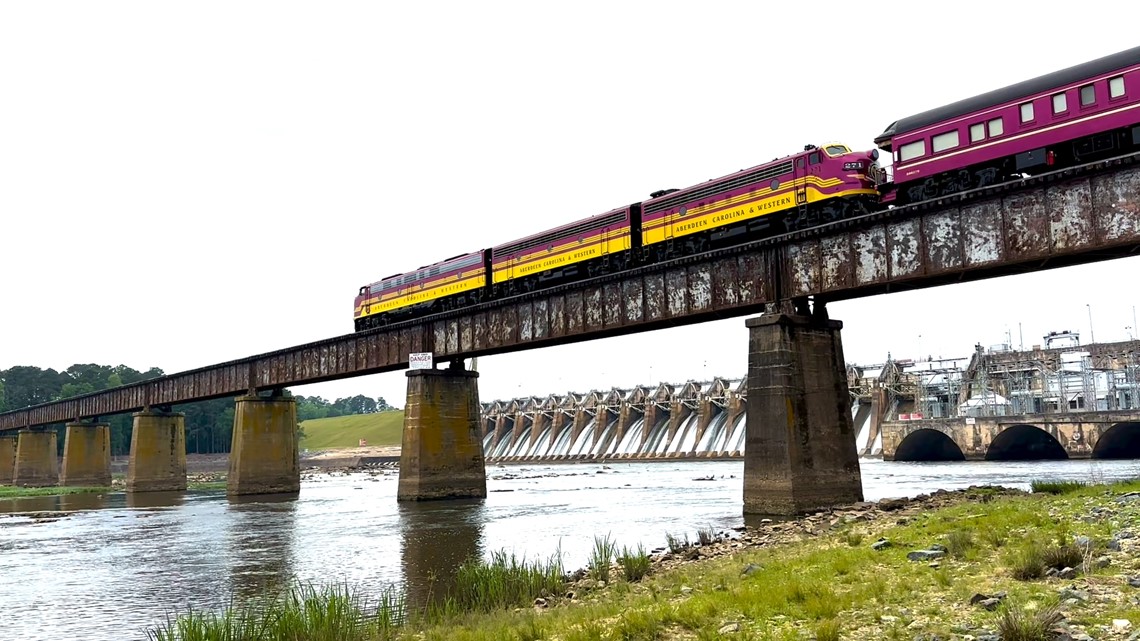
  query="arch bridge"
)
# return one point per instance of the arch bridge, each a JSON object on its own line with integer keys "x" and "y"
{"x": 1071, "y": 435}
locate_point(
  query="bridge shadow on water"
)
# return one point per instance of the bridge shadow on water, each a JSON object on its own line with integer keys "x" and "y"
{"x": 436, "y": 537}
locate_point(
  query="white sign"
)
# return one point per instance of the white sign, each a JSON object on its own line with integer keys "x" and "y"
{"x": 970, "y": 420}
{"x": 421, "y": 360}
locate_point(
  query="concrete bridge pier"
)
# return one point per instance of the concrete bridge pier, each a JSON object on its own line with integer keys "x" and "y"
{"x": 8, "y": 442}
{"x": 442, "y": 455}
{"x": 799, "y": 453}
{"x": 158, "y": 452}
{"x": 37, "y": 460}
{"x": 263, "y": 451}
{"x": 86, "y": 455}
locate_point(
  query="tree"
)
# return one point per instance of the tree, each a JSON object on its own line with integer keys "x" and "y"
{"x": 3, "y": 398}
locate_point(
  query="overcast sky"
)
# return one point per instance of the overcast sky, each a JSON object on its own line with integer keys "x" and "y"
{"x": 188, "y": 183}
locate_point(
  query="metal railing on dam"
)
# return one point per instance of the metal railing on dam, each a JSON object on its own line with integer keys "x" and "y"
{"x": 1077, "y": 215}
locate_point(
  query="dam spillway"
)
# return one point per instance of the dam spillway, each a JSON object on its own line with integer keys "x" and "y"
{"x": 698, "y": 419}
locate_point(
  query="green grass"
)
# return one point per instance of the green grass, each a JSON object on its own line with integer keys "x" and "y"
{"x": 381, "y": 430}
{"x": 12, "y": 492}
{"x": 1056, "y": 487}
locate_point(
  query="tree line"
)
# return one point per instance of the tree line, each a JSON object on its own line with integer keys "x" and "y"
{"x": 209, "y": 424}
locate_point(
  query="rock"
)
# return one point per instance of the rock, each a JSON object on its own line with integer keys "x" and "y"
{"x": 729, "y": 628}
{"x": 570, "y": 595}
{"x": 540, "y": 602}
{"x": 978, "y": 598}
{"x": 881, "y": 544}
{"x": 889, "y": 505}
{"x": 1134, "y": 581}
{"x": 935, "y": 564}
{"x": 1121, "y": 625}
{"x": 1051, "y": 572}
{"x": 991, "y": 603}
{"x": 1067, "y": 573}
{"x": 924, "y": 555}
{"x": 1102, "y": 562}
{"x": 1114, "y": 545}
{"x": 1082, "y": 542}
{"x": 938, "y": 547}
{"x": 750, "y": 569}
{"x": 686, "y": 590}
{"x": 1068, "y": 593}
{"x": 886, "y": 618}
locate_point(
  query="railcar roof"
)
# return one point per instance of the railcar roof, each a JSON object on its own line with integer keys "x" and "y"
{"x": 1022, "y": 89}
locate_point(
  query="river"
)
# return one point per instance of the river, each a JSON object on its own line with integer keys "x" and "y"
{"x": 105, "y": 567}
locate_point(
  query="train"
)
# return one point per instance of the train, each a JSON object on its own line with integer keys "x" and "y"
{"x": 1084, "y": 113}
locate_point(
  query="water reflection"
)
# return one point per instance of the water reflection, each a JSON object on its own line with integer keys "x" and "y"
{"x": 83, "y": 501}
{"x": 260, "y": 543}
{"x": 435, "y": 538}
{"x": 145, "y": 500}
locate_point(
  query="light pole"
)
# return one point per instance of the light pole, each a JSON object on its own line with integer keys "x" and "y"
{"x": 1092, "y": 336}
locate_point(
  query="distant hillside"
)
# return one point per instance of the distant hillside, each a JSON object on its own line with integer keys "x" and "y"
{"x": 379, "y": 430}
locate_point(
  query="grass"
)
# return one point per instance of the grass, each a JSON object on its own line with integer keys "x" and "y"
{"x": 504, "y": 581}
{"x": 821, "y": 586}
{"x": 601, "y": 557}
{"x": 1056, "y": 487}
{"x": 634, "y": 563}
{"x": 382, "y": 429}
{"x": 12, "y": 492}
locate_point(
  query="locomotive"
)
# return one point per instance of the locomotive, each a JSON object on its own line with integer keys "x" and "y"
{"x": 1084, "y": 113}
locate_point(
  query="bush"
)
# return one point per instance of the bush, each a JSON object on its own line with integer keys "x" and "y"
{"x": 1028, "y": 562}
{"x": 1063, "y": 556}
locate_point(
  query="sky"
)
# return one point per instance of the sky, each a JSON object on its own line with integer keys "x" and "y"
{"x": 188, "y": 183}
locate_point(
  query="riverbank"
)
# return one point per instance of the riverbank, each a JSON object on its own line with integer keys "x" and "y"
{"x": 969, "y": 564}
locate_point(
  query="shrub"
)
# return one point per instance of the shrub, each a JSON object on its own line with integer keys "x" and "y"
{"x": 1028, "y": 562}
{"x": 1063, "y": 556}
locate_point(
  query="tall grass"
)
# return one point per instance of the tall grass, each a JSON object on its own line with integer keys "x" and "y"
{"x": 601, "y": 556}
{"x": 503, "y": 582}
{"x": 634, "y": 563}
{"x": 331, "y": 613}
{"x": 1018, "y": 624}
{"x": 1055, "y": 486}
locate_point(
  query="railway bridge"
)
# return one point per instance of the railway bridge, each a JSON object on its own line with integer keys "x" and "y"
{"x": 1063, "y": 435}
{"x": 800, "y": 452}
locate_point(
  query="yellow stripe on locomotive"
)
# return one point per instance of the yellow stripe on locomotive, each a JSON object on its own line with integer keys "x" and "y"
{"x": 563, "y": 255}
{"x": 425, "y": 292}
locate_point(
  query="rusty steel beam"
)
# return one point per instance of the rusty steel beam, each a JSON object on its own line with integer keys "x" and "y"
{"x": 1068, "y": 217}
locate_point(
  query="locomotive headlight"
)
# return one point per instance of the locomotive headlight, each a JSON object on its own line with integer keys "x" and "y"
{"x": 874, "y": 154}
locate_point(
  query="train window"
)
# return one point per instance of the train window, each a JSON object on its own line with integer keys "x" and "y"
{"x": 800, "y": 162}
{"x": 1026, "y": 111}
{"x": 912, "y": 150}
{"x": 942, "y": 142}
{"x": 1088, "y": 95}
{"x": 1060, "y": 103}
{"x": 977, "y": 132}
{"x": 1116, "y": 87}
{"x": 813, "y": 158}
{"x": 996, "y": 127}
{"x": 836, "y": 150}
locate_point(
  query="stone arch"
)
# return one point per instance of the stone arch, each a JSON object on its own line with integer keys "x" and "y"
{"x": 1121, "y": 441}
{"x": 1025, "y": 443}
{"x": 928, "y": 445}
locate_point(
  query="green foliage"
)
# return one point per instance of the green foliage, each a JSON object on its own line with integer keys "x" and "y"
{"x": 12, "y": 492}
{"x": 1062, "y": 556}
{"x": 504, "y": 581}
{"x": 1016, "y": 623}
{"x": 1056, "y": 487}
{"x": 959, "y": 543}
{"x": 634, "y": 563}
{"x": 827, "y": 630}
{"x": 601, "y": 557}
{"x": 1027, "y": 562}
{"x": 326, "y": 614}
{"x": 675, "y": 543}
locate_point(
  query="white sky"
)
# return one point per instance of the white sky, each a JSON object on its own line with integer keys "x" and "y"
{"x": 187, "y": 183}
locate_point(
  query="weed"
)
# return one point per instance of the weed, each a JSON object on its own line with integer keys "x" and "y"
{"x": 634, "y": 563}
{"x": 853, "y": 538}
{"x": 1028, "y": 562}
{"x": 1062, "y": 556}
{"x": 504, "y": 581}
{"x": 601, "y": 557}
{"x": 959, "y": 543}
{"x": 677, "y": 544}
{"x": 1015, "y": 623}
{"x": 706, "y": 535}
{"x": 827, "y": 630}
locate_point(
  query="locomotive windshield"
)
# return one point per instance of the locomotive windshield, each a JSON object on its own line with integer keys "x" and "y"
{"x": 836, "y": 150}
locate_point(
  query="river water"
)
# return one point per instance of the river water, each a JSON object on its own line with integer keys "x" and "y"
{"x": 105, "y": 567}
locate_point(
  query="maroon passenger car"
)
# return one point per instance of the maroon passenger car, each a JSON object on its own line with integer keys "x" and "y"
{"x": 1083, "y": 113}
